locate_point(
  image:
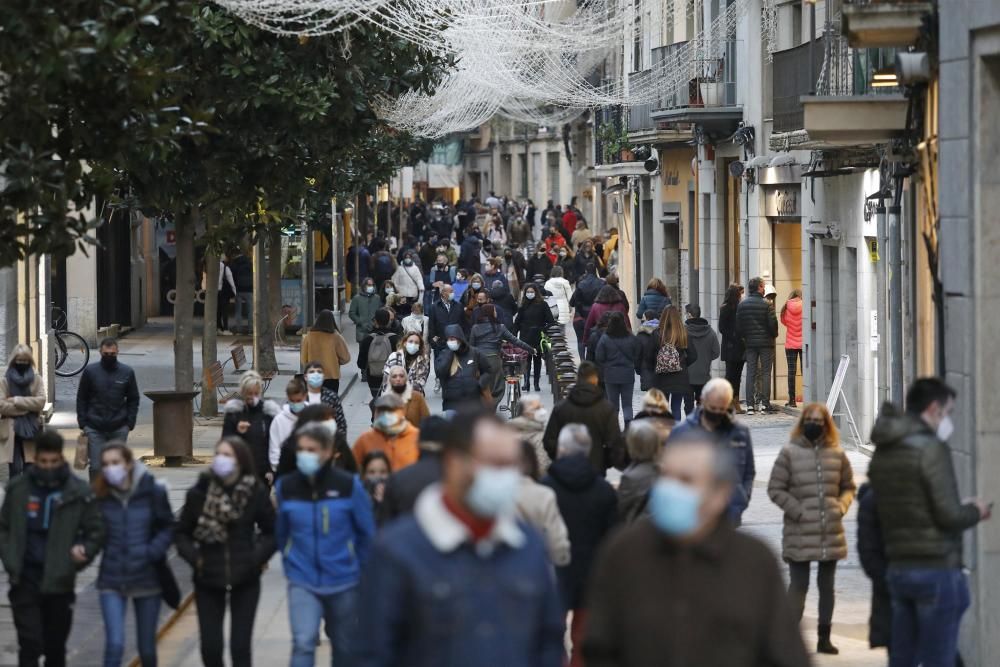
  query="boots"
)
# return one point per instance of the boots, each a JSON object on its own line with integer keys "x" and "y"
{"x": 823, "y": 644}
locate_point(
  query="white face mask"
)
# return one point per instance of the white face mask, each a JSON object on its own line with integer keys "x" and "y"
{"x": 945, "y": 428}
{"x": 453, "y": 345}
{"x": 541, "y": 415}
{"x": 412, "y": 348}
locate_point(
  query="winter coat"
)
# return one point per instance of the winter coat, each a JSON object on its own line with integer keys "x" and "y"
{"x": 242, "y": 270}
{"x": 409, "y": 281}
{"x": 375, "y": 380}
{"x": 598, "y": 310}
{"x": 736, "y": 437}
{"x": 562, "y": 292}
{"x": 441, "y": 319}
{"x": 402, "y": 449}
{"x": 531, "y": 430}
{"x": 282, "y": 426}
{"x": 719, "y": 603}
{"x": 791, "y": 317}
{"x": 490, "y": 278}
{"x": 519, "y": 232}
{"x": 139, "y": 529}
{"x": 652, "y": 300}
{"x": 15, "y": 406}
{"x": 756, "y": 324}
{"x": 707, "y": 349}
{"x": 383, "y": 266}
{"x": 585, "y": 404}
{"x": 619, "y": 358}
{"x": 538, "y": 265}
{"x": 107, "y": 400}
{"x": 460, "y": 287}
{"x": 586, "y": 291}
{"x": 329, "y": 349}
{"x": 362, "y": 313}
{"x": 470, "y": 376}
{"x": 76, "y": 519}
{"x": 733, "y": 349}
{"x": 417, "y": 372}
{"x": 589, "y": 507}
{"x": 813, "y": 484}
{"x": 286, "y": 456}
{"x": 487, "y": 337}
{"x": 364, "y": 265}
{"x": 581, "y": 260}
{"x": 678, "y": 382}
{"x": 871, "y": 552}
{"x": 404, "y": 487}
{"x": 579, "y": 235}
{"x": 919, "y": 505}
{"x": 249, "y": 546}
{"x": 415, "y": 408}
{"x": 324, "y": 528}
{"x": 633, "y": 490}
{"x": 258, "y": 435}
{"x": 532, "y": 319}
{"x": 648, "y": 336}
{"x": 536, "y": 505}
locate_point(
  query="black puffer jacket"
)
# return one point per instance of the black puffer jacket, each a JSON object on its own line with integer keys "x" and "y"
{"x": 871, "y": 551}
{"x": 586, "y": 291}
{"x": 531, "y": 319}
{"x": 756, "y": 323}
{"x": 732, "y": 345}
{"x": 919, "y": 507}
{"x": 589, "y": 507}
{"x": 258, "y": 434}
{"x": 471, "y": 376}
{"x": 249, "y": 547}
{"x": 585, "y": 404}
{"x": 107, "y": 399}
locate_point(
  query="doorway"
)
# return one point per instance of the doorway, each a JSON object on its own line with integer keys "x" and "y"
{"x": 786, "y": 263}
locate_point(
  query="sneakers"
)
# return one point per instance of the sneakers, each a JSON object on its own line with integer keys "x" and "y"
{"x": 791, "y": 404}
{"x": 749, "y": 410}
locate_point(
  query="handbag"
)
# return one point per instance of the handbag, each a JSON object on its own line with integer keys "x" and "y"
{"x": 82, "y": 457}
{"x": 169, "y": 590}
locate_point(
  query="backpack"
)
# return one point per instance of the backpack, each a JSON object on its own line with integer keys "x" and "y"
{"x": 378, "y": 353}
{"x": 668, "y": 359}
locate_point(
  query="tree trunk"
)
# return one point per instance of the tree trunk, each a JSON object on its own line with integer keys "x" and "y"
{"x": 184, "y": 303}
{"x": 263, "y": 334}
{"x": 209, "y": 332}
{"x": 274, "y": 298}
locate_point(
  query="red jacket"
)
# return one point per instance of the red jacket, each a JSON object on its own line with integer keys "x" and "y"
{"x": 791, "y": 317}
{"x": 569, "y": 221}
{"x": 599, "y": 309}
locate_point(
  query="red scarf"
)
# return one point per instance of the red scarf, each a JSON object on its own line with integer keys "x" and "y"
{"x": 478, "y": 526}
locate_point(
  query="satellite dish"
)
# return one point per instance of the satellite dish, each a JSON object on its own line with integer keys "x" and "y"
{"x": 651, "y": 164}
{"x": 736, "y": 169}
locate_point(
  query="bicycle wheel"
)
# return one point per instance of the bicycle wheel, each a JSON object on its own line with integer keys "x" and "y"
{"x": 76, "y": 356}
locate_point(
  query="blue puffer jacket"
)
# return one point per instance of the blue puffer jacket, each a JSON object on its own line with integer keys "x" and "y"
{"x": 139, "y": 529}
{"x": 324, "y": 530}
{"x": 652, "y": 300}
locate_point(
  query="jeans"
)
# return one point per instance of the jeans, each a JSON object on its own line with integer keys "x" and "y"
{"x": 97, "y": 441}
{"x": 620, "y": 392}
{"x": 17, "y": 463}
{"x": 339, "y": 611}
{"x": 927, "y": 608}
{"x": 42, "y": 623}
{"x": 537, "y": 360}
{"x": 676, "y": 404}
{"x": 798, "y": 586}
{"x": 211, "y": 604}
{"x": 147, "y": 613}
{"x": 794, "y": 360}
{"x": 765, "y": 357}
{"x": 734, "y": 373}
{"x": 243, "y": 298}
{"x": 222, "y": 310}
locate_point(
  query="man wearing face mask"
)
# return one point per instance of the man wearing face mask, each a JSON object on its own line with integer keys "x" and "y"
{"x": 530, "y": 425}
{"x": 661, "y": 585}
{"x": 922, "y": 518}
{"x": 461, "y": 583}
{"x": 713, "y": 419}
{"x": 284, "y": 422}
{"x": 107, "y": 402}
{"x": 390, "y": 433}
{"x": 415, "y": 408}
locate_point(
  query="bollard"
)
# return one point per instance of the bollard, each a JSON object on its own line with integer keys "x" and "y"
{"x": 173, "y": 425}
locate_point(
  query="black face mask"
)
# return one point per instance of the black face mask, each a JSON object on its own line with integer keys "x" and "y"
{"x": 400, "y": 389}
{"x": 812, "y": 431}
{"x": 21, "y": 367}
{"x": 508, "y": 256}
{"x": 717, "y": 419}
{"x": 109, "y": 361}
{"x": 50, "y": 478}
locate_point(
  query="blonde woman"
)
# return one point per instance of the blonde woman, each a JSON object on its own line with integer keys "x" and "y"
{"x": 249, "y": 417}
{"x": 22, "y": 398}
{"x": 671, "y": 359}
{"x": 813, "y": 484}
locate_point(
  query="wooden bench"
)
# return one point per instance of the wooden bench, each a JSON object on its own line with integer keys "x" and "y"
{"x": 214, "y": 378}
{"x": 238, "y": 356}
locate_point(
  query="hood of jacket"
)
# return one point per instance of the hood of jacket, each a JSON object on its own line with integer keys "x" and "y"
{"x": 892, "y": 425}
{"x": 267, "y": 405}
{"x": 585, "y": 394}
{"x": 575, "y": 472}
{"x": 794, "y": 306}
{"x": 286, "y": 414}
{"x": 698, "y": 327}
{"x": 456, "y": 331}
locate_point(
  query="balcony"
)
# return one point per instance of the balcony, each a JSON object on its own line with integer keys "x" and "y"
{"x": 610, "y": 135}
{"x": 792, "y": 80}
{"x": 882, "y": 23}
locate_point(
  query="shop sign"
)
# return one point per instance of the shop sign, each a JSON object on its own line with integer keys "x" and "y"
{"x": 782, "y": 202}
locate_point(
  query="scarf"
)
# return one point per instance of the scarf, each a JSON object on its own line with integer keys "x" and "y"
{"x": 26, "y": 426}
{"x": 221, "y": 508}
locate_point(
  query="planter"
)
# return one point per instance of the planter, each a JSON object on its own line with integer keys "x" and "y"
{"x": 711, "y": 93}
{"x": 627, "y": 155}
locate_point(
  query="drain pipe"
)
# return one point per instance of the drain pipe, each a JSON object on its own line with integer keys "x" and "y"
{"x": 882, "y": 303}
{"x": 896, "y": 292}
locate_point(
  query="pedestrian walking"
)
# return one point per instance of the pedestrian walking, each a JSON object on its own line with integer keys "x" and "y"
{"x": 319, "y": 413}
{"x": 50, "y": 529}
{"x": 536, "y": 506}
{"x": 530, "y": 425}
{"x": 608, "y": 299}
{"x": 362, "y": 309}
{"x": 463, "y": 370}
{"x": 922, "y": 519}
{"x": 580, "y": 235}
{"x": 588, "y": 286}
{"x": 488, "y": 336}
{"x": 375, "y": 471}
{"x": 390, "y": 433}
{"x": 654, "y": 408}
{"x": 791, "y": 317}
{"x": 409, "y": 281}
{"x": 813, "y": 484}
{"x": 139, "y": 529}
{"x": 586, "y": 404}
{"x": 444, "y": 313}
{"x": 22, "y": 399}
{"x": 242, "y": 270}
{"x": 324, "y": 344}
{"x": 415, "y": 408}
{"x": 406, "y": 485}
{"x": 733, "y": 350}
{"x": 284, "y": 423}
{"x": 375, "y": 350}
{"x": 226, "y": 534}
{"x": 706, "y": 344}
{"x": 320, "y": 394}
{"x": 588, "y": 505}
{"x": 673, "y": 590}
{"x": 655, "y": 298}
{"x": 107, "y": 403}
{"x": 494, "y": 598}
{"x": 226, "y": 289}
{"x": 648, "y": 335}
{"x": 644, "y": 442}
{"x": 250, "y": 417}
{"x": 672, "y": 360}
{"x": 326, "y": 525}
{"x": 871, "y": 553}
{"x": 618, "y": 355}
{"x": 416, "y": 322}
{"x": 562, "y": 292}
{"x": 713, "y": 420}
{"x": 539, "y": 264}
{"x": 757, "y": 327}
{"x": 414, "y": 357}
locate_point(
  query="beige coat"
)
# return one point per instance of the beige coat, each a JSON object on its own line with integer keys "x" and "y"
{"x": 814, "y": 486}
{"x": 537, "y": 505}
{"x": 15, "y": 406}
{"x": 329, "y": 349}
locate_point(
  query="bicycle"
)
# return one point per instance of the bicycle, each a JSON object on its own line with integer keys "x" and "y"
{"x": 513, "y": 359}
{"x": 72, "y": 351}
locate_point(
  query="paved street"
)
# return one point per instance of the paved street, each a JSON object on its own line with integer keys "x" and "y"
{"x": 149, "y": 352}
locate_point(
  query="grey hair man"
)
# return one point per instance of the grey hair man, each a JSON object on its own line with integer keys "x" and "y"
{"x": 644, "y": 441}
{"x": 574, "y": 439}
{"x": 530, "y": 424}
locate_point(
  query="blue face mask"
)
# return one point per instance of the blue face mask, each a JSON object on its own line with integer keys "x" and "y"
{"x": 307, "y": 463}
{"x": 296, "y": 407}
{"x": 674, "y": 507}
{"x": 315, "y": 379}
{"x": 493, "y": 491}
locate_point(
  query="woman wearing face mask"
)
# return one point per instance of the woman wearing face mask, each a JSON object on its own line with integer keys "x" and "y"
{"x": 533, "y": 317}
{"x": 139, "y": 530}
{"x": 285, "y": 421}
{"x": 409, "y": 282}
{"x": 539, "y": 264}
{"x": 463, "y": 370}
{"x": 362, "y": 310}
{"x": 324, "y": 344}
{"x": 413, "y": 355}
{"x": 249, "y": 417}
{"x": 566, "y": 262}
{"x": 226, "y": 533}
{"x": 22, "y": 399}
{"x": 813, "y": 484}
{"x": 375, "y": 471}
{"x": 319, "y": 394}
{"x": 475, "y": 286}
{"x": 487, "y": 336}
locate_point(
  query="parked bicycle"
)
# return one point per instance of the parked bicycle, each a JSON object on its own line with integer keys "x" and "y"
{"x": 71, "y": 349}
{"x": 513, "y": 360}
